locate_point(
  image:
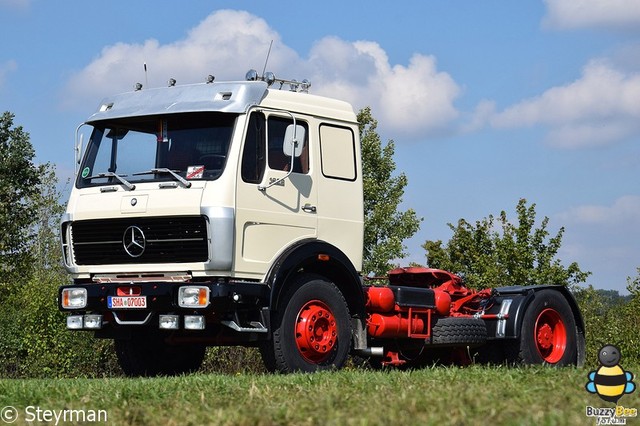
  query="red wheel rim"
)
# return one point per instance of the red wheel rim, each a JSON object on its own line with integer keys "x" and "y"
{"x": 550, "y": 335}
{"x": 316, "y": 332}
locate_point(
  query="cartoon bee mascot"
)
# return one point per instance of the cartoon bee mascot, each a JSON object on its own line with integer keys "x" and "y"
{"x": 610, "y": 381}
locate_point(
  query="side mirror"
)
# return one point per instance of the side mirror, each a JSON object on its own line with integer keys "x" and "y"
{"x": 293, "y": 143}
{"x": 77, "y": 148}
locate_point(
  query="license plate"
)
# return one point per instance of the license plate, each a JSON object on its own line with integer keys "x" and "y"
{"x": 129, "y": 302}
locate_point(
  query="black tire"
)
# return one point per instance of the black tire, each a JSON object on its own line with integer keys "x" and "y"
{"x": 150, "y": 356}
{"x": 548, "y": 333}
{"x": 453, "y": 331}
{"x": 317, "y": 303}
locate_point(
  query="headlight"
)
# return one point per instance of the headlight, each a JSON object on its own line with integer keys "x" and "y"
{"x": 74, "y": 322}
{"x": 93, "y": 321}
{"x": 193, "y": 297}
{"x": 169, "y": 322}
{"x": 194, "y": 322}
{"x": 74, "y": 298}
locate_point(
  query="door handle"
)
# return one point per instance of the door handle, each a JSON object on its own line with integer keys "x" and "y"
{"x": 309, "y": 208}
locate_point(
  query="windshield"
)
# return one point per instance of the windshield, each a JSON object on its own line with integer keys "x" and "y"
{"x": 173, "y": 147}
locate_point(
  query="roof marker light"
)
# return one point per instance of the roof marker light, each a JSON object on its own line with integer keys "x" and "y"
{"x": 269, "y": 78}
{"x": 252, "y": 75}
{"x": 172, "y": 82}
{"x": 304, "y": 86}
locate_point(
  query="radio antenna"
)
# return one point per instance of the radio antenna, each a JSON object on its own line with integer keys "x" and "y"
{"x": 146, "y": 79}
{"x": 267, "y": 60}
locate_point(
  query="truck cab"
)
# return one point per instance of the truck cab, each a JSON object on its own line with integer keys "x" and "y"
{"x": 194, "y": 207}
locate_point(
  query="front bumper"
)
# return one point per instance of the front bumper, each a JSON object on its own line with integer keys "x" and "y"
{"x": 161, "y": 305}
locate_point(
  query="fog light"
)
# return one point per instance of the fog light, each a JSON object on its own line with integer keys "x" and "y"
{"x": 74, "y": 322}
{"x": 74, "y": 298}
{"x": 169, "y": 322}
{"x": 93, "y": 321}
{"x": 193, "y": 297}
{"x": 194, "y": 322}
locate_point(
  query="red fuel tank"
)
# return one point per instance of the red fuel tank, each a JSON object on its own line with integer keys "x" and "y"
{"x": 379, "y": 299}
{"x": 394, "y": 326}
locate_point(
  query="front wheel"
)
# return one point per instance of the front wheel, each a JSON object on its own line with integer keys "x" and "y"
{"x": 548, "y": 334}
{"x": 312, "y": 329}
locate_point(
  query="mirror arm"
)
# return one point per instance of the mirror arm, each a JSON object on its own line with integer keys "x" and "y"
{"x": 263, "y": 187}
{"x": 277, "y": 181}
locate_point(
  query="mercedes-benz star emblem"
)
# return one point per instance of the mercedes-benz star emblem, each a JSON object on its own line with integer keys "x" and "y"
{"x": 133, "y": 241}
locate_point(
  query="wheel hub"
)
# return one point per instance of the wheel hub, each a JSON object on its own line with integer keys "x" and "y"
{"x": 545, "y": 336}
{"x": 316, "y": 331}
{"x": 550, "y": 335}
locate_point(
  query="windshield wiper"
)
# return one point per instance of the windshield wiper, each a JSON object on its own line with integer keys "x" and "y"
{"x": 122, "y": 180}
{"x": 173, "y": 173}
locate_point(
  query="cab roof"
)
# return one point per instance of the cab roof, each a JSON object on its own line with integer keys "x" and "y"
{"x": 232, "y": 97}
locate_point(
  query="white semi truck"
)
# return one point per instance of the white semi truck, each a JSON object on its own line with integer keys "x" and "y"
{"x": 231, "y": 213}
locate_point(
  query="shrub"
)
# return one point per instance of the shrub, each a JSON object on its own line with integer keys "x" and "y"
{"x": 609, "y": 323}
{"x": 34, "y": 341}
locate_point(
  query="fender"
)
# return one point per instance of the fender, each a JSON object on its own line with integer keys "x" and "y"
{"x": 521, "y": 297}
{"x": 337, "y": 267}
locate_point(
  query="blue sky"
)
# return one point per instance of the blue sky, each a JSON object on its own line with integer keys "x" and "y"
{"x": 487, "y": 102}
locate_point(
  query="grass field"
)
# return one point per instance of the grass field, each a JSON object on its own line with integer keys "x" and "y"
{"x": 439, "y": 395}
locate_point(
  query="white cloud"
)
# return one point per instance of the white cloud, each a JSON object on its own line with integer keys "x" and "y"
{"x": 5, "y": 69}
{"x": 225, "y": 44}
{"x": 482, "y": 114}
{"x": 592, "y": 13}
{"x": 601, "y": 107}
{"x": 411, "y": 99}
{"x": 623, "y": 213}
{"x": 604, "y": 239}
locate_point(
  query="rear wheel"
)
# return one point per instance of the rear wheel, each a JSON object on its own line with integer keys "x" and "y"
{"x": 312, "y": 329}
{"x": 548, "y": 334}
{"x": 151, "y": 356}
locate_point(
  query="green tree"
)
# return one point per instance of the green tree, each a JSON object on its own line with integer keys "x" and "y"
{"x": 385, "y": 226}
{"x": 611, "y": 322}
{"x": 490, "y": 254}
{"x": 20, "y": 181}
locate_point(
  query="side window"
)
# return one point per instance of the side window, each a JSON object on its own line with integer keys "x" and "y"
{"x": 253, "y": 157}
{"x": 337, "y": 152}
{"x": 277, "y": 127}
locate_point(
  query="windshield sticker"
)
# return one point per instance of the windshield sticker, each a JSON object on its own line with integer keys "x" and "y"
{"x": 85, "y": 172}
{"x": 195, "y": 172}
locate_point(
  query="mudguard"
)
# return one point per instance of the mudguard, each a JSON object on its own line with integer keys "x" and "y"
{"x": 518, "y": 299}
{"x": 333, "y": 264}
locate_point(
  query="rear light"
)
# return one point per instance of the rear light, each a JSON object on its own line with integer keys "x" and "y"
{"x": 193, "y": 297}
{"x": 74, "y": 298}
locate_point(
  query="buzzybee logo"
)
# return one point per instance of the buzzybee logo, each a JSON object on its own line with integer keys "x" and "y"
{"x": 610, "y": 382}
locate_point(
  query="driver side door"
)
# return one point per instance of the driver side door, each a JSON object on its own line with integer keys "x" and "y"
{"x": 268, "y": 220}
